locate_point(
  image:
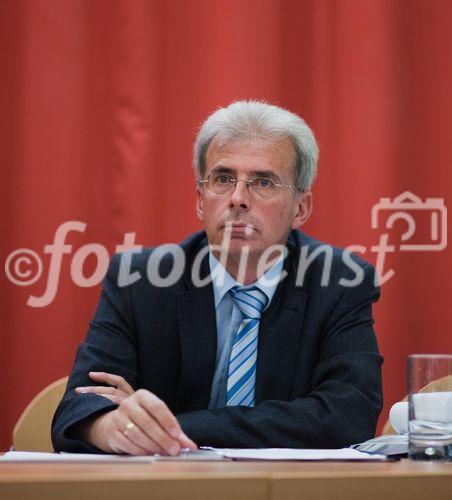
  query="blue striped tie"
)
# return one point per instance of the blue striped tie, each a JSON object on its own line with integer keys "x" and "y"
{"x": 242, "y": 363}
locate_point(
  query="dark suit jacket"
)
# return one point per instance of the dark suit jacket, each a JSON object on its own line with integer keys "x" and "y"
{"x": 318, "y": 379}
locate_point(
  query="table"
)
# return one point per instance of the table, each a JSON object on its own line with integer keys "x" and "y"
{"x": 227, "y": 480}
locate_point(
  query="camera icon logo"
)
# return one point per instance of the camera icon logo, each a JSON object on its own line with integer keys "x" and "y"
{"x": 426, "y": 221}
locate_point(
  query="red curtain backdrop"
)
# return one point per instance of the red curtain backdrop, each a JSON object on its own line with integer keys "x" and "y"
{"x": 100, "y": 104}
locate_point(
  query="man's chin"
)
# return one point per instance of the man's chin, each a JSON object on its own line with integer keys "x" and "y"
{"x": 243, "y": 246}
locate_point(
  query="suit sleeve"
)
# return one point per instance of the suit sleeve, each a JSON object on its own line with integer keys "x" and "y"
{"x": 110, "y": 346}
{"x": 343, "y": 401}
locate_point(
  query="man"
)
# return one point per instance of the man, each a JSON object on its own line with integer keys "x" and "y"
{"x": 266, "y": 353}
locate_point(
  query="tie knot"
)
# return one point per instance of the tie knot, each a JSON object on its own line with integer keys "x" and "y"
{"x": 250, "y": 301}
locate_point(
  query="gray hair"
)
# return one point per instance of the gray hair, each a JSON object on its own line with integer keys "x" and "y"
{"x": 260, "y": 120}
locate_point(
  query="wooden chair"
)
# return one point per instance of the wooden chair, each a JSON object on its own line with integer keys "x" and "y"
{"x": 442, "y": 384}
{"x": 32, "y": 430}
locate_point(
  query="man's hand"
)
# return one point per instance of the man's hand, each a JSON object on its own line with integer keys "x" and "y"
{"x": 118, "y": 390}
{"x": 142, "y": 424}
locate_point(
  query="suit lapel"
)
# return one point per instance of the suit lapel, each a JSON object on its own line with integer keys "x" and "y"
{"x": 279, "y": 333}
{"x": 198, "y": 338}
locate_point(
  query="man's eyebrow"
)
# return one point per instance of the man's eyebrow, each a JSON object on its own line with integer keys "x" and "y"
{"x": 222, "y": 168}
{"x": 264, "y": 173}
{"x": 253, "y": 173}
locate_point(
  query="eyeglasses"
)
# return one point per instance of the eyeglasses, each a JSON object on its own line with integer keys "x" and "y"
{"x": 220, "y": 184}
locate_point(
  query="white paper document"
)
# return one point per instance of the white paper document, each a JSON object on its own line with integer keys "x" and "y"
{"x": 34, "y": 456}
{"x": 203, "y": 454}
{"x": 296, "y": 454}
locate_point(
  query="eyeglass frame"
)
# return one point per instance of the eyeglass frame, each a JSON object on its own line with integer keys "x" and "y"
{"x": 248, "y": 183}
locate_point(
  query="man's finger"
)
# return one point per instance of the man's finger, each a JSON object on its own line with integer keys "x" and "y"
{"x": 140, "y": 438}
{"x": 100, "y": 389}
{"x": 146, "y": 421}
{"x": 158, "y": 410}
{"x": 123, "y": 444}
{"x": 186, "y": 442}
{"x": 96, "y": 389}
{"x": 113, "y": 380}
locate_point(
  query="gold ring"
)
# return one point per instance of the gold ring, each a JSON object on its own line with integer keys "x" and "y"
{"x": 129, "y": 426}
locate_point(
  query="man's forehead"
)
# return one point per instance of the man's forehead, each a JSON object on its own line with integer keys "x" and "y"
{"x": 279, "y": 150}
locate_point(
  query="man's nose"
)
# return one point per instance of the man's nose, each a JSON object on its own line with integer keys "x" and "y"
{"x": 240, "y": 196}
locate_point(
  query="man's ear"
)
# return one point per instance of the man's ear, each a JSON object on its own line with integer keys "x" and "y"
{"x": 303, "y": 209}
{"x": 199, "y": 204}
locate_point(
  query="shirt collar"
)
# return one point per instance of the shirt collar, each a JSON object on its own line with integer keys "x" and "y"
{"x": 222, "y": 281}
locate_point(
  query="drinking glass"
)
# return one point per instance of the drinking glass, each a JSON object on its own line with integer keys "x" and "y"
{"x": 430, "y": 406}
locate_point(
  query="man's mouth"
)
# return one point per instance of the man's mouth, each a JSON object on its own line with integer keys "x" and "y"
{"x": 239, "y": 228}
